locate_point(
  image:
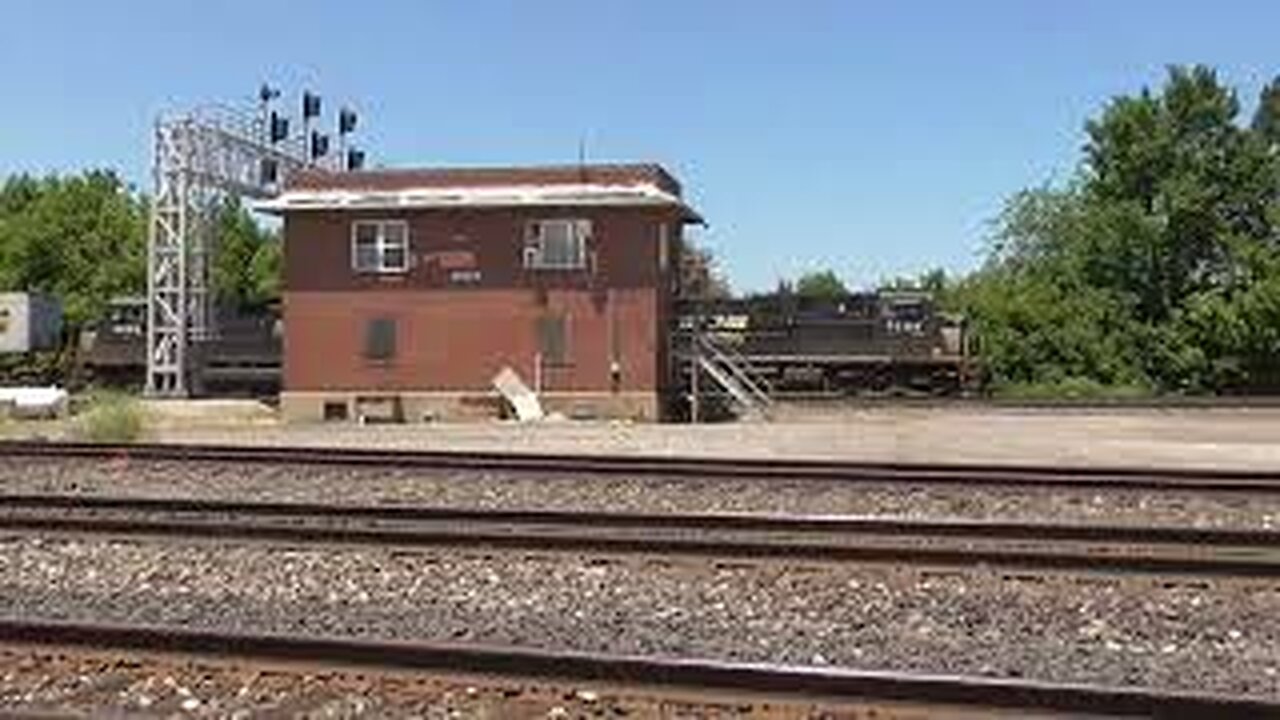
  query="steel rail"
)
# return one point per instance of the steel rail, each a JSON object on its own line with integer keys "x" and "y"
{"x": 651, "y": 672}
{"x": 883, "y": 525}
{"x": 1169, "y": 550}
{"x": 1208, "y": 479}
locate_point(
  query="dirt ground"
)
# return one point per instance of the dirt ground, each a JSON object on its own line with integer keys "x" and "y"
{"x": 1198, "y": 437}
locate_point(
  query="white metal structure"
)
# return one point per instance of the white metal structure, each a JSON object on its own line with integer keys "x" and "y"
{"x": 201, "y": 157}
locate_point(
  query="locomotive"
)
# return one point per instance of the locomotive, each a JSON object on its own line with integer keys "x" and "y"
{"x": 243, "y": 359}
{"x": 872, "y": 343}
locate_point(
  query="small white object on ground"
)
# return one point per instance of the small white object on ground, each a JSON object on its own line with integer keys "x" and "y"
{"x": 522, "y": 399}
{"x": 28, "y": 401}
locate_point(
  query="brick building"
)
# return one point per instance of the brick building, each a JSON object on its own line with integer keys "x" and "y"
{"x": 407, "y": 291}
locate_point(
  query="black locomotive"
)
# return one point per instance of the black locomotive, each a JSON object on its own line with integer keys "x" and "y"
{"x": 888, "y": 342}
{"x": 243, "y": 359}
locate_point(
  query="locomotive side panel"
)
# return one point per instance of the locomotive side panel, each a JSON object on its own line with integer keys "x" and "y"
{"x": 861, "y": 343}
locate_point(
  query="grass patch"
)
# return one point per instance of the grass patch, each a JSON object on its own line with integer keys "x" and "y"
{"x": 111, "y": 418}
{"x": 1073, "y": 388}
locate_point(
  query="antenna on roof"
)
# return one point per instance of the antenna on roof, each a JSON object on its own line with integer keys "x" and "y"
{"x": 582, "y": 157}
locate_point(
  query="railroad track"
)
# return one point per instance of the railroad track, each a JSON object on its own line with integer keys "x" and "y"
{"x": 1010, "y": 475}
{"x": 1029, "y": 545}
{"x": 818, "y": 684}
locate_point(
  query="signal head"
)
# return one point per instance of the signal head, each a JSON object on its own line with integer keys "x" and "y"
{"x": 279, "y": 127}
{"x": 347, "y": 119}
{"x": 355, "y": 159}
{"x": 310, "y": 105}
{"x": 319, "y": 145}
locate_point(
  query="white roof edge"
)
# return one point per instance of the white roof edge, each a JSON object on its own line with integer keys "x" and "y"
{"x": 495, "y": 196}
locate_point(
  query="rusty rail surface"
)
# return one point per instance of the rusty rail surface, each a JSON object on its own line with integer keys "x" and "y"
{"x": 1095, "y": 548}
{"x": 794, "y": 682}
{"x": 1211, "y": 479}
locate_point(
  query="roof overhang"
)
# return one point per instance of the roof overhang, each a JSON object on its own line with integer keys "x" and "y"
{"x": 432, "y": 198}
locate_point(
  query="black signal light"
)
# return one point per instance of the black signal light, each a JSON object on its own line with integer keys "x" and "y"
{"x": 347, "y": 119}
{"x": 310, "y": 105}
{"x": 319, "y": 145}
{"x": 279, "y": 127}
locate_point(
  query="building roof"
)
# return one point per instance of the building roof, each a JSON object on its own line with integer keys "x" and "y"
{"x": 537, "y": 186}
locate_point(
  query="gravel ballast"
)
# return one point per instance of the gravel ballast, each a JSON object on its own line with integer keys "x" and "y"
{"x": 1222, "y": 636}
{"x": 56, "y": 684}
{"x": 299, "y": 483}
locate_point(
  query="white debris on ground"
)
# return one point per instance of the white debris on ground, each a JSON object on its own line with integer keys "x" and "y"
{"x": 523, "y": 400}
{"x": 34, "y": 402}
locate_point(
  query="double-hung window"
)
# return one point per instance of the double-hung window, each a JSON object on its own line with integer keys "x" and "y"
{"x": 380, "y": 246}
{"x": 556, "y": 244}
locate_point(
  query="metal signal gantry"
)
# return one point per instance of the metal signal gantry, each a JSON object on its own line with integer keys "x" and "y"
{"x": 202, "y": 158}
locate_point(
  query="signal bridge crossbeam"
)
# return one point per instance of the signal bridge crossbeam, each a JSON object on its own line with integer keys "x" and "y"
{"x": 200, "y": 159}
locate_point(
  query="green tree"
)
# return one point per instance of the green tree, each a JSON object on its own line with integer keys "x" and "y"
{"x": 246, "y": 273}
{"x": 81, "y": 238}
{"x": 1266, "y": 118}
{"x": 1156, "y": 266}
{"x": 821, "y": 284}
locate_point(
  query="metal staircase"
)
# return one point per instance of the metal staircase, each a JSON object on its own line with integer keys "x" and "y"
{"x": 732, "y": 373}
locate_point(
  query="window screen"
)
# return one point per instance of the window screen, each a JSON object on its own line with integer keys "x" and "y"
{"x": 380, "y": 339}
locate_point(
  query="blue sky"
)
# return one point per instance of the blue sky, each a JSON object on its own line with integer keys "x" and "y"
{"x": 870, "y": 137}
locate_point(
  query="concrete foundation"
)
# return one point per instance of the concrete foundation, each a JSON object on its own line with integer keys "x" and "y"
{"x": 405, "y": 406}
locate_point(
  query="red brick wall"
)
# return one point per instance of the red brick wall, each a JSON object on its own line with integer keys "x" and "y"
{"x": 458, "y": 340}
{"x": 623, "y": 249}
{"x": 456, "y": 336}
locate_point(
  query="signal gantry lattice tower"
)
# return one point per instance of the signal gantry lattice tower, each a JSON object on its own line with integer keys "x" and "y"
{"x": 202, "y": 158}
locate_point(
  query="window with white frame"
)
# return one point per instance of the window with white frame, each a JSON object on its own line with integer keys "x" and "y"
{"x": 556, "y": 244}
{"x": 380, "y": 246}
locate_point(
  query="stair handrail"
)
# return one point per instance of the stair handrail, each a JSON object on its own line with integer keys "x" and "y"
{"x": 734, "y": 367}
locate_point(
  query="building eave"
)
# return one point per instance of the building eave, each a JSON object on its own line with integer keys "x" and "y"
{"x": 439, "y": 198}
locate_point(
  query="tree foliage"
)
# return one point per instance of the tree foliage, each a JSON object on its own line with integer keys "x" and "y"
{"x": 247, "y": 270}
{"x": 1158, "y": 265}
{"x": 823, "y": 284}
{"x": 82, "y": 238}
{"x": 79, "y": 238}
{"x": 701, "y": 274}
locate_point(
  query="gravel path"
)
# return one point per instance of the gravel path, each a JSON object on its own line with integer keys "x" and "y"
{"x": 1222, "y": 637}
{"x": 1222, "y": 437}
{"x": 487, "y": 490}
